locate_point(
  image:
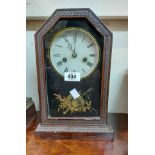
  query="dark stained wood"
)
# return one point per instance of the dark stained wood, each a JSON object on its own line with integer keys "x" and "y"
{"x": 104, "y": 31}
{"x": 92, "y": 134}
{"x": 39, "y": 146}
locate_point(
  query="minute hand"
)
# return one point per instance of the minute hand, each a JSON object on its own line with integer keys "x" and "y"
{"x": 75, "y": 38}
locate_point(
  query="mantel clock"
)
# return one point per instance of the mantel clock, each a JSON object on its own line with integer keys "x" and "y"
{"x": 73, "y": 56}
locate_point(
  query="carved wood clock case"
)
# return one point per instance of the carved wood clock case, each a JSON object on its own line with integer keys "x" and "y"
{"x": 73, "y": 57}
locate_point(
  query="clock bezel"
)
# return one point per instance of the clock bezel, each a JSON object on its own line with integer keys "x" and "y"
{"x": 73, "y": 28}
{"x": 106, "y": 61}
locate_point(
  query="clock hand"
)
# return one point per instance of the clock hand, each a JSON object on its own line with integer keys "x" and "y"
{"x": 74, "y": 55}
{"x": 69, "y": 45}
{"x": 74, "y": 38}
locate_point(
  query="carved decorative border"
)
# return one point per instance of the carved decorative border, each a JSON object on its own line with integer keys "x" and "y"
{"x": 103, "y": 30}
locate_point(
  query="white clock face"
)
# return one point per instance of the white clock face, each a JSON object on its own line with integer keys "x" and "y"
{"x": 74, "y": 50}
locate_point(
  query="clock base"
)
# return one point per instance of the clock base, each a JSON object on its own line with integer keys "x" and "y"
{"x": 104, "y": 132}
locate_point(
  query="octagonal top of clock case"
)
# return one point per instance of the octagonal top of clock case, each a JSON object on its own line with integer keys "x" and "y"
{"x": 72, "y": 13}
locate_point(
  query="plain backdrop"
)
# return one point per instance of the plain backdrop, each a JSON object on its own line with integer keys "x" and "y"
{"x": 114, "y": 15}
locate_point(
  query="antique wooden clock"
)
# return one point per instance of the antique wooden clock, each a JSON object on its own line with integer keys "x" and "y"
{"x": 73, "y": 55}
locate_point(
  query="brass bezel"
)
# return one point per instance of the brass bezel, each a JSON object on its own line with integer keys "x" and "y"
{"x": 73, "y": 28}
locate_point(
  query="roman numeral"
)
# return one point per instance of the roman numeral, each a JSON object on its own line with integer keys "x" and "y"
{"x": 58, "y": 46}
{"x": 83, "y": 39}
{"x": 92, "y": 55}
{"x": 65, "y": 38}
{"x": 56, "y": 55}
{"x": 59, "y": 63}
{"x": 83, "y": 70}
{"x": 90, "y": 45}
{"x": 66, "y": 69}
{"x": 89, "y": 64}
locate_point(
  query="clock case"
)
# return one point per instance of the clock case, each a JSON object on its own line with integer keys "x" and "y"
{"x": 61, "y": 127}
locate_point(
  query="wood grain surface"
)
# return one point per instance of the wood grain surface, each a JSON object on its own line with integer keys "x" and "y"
{"x": 38, "y": 146}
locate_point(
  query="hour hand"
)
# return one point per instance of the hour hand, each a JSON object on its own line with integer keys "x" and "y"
{"x": 66, "y": 40}
{"x": 74, "y": 55}
{"x": 70, "y": 46}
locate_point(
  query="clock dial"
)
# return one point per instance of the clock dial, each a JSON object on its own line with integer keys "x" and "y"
{"x": 74, "y": 50}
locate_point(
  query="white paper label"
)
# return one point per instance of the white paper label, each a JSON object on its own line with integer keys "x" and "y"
{"x": 72, "y": 76}
{"x": 74, "y": 93}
